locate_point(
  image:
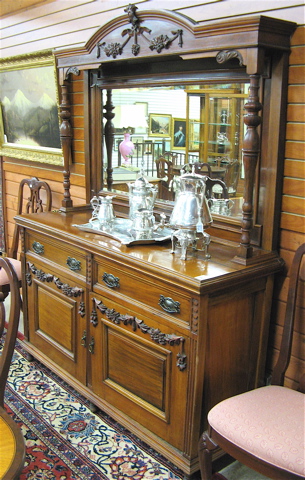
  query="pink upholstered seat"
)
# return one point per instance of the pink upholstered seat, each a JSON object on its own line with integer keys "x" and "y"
{"x": 17, "y": 267}
{"x": 251, "y": 422}
{"x": 264, "y": 429}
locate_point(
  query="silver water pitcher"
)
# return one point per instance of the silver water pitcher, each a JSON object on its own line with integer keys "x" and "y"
{"x": 191, "y": 210}
{"x": 190, "y": 215}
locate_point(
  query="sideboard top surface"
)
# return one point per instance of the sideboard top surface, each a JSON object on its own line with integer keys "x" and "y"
{"x": 155, "y": 259}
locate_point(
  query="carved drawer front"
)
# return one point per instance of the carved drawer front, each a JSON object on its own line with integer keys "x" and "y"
{"x": 71, "y": 258}
{"x": 143, "y": 288}
{"x": 139, "y": 366}
{"x": 57, "y": 319}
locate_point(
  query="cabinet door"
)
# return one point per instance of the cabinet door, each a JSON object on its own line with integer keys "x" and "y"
{"x": 56, "y": 317}
{"x": 139, "y": 366}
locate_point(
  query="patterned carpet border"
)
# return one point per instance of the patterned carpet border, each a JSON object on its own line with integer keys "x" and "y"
{"x": 65, "y": 440}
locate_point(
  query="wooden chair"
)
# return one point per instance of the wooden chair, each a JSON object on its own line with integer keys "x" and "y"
{"x": 263, "y": 428}
{"x": 164, "y": 165}
{"x": 12, "y": 447}
{"x": 211, "y": 184}
{"x": 201, "y": 168}
{"x": 231, "y": 177}
{"x": 34, "y": 204}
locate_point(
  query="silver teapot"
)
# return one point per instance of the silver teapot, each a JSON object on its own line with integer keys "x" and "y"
{"x": 142, "y": 196}
{"x": 191, "y": 210}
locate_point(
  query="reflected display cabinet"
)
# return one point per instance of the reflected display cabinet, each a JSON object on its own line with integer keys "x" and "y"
{"x": 153, "y": 340}
{"x": 218, "y": 131}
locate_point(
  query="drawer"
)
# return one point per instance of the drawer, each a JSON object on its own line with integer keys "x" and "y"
{"x": 143, "y": 288}
{"x": 58, "y": 252}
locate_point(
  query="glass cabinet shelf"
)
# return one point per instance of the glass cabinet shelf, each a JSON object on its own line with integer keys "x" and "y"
{"x": 214, "y": 126}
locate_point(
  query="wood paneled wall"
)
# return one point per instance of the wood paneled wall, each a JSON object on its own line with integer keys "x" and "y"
{"x": 60, "y": 23}
{"x": 292, "y": 232}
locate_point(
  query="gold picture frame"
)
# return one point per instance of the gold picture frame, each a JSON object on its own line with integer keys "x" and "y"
{"x": 29, "y": 120}
{"x": 159, "y": 125}
{"x": 179, "y": 134}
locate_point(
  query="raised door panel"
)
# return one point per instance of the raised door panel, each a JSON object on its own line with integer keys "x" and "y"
{"x": 139, "y": 366}
{"x": 57, "y": 318}
{"x": 237, "y": 334}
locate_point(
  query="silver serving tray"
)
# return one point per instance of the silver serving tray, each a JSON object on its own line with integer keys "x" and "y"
{"x": 121, "y": 231}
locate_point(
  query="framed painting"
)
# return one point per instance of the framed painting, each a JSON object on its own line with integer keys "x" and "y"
{"x": 194, "y": 135}
{"x": 178, "y": 133}
{"x": 29, "y": 120}
{"x": 138, "y": 142}
{"x": 159, "y": 125}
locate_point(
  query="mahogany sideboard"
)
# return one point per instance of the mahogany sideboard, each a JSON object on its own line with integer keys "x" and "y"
{"x": 150, "y": 339}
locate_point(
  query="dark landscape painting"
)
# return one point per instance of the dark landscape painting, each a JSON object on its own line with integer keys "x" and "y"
{"x": 29, "y": 107}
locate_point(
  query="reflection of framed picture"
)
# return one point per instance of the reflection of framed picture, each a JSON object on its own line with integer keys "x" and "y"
{"x": 29, "y": 121}
{"x": 159, "y": 125}
{"x": 138, "y": 143}
{"x": 116, "y": 143}
{"x": 194, "y": 135}
{"x": 148, "y": 147}
{"x": 178, "y": 133}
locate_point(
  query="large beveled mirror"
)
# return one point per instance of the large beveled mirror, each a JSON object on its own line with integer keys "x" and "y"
{"x": 174, "y": 127}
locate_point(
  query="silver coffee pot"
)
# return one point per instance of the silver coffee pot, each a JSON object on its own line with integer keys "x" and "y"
{"x": 142, "y": 196}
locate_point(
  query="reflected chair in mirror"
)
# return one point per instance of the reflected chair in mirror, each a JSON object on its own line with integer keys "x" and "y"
{"x": 231, "y": 177}
{"x": 215, "y": 185}
{"x": 34, "y": 196}
{"x": 201, "y": 168}
{"x": 164, "y": 166}
{"x": 12, "y": 446}
{"x": 264, "y": 428}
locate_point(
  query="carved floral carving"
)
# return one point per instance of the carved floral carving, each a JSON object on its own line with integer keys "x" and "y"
{"x": 158, "y": 43}
{"x": 155, "y": 334}
{"x": 48, "y": 277}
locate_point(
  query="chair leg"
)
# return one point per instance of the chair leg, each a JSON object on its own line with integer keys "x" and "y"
{"x": 205, "y": 449}
{"x": 2, "y": 316}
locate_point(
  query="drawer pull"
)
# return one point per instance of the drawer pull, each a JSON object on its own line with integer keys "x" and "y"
{"x": 91, "y": 346}
{"x": 169, "y": 305}
{"x": 110, "y": 280}
{"x": 83, "y": 339}
{"x": 73, "y": 264}
{"x": 38, "y": 248}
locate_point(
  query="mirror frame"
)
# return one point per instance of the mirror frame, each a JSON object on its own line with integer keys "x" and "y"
{"x": 161, "y": 47}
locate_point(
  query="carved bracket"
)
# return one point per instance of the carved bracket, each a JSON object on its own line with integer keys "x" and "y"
{"x": 155, "y": 334}
{"x": 225, "y": 55}
{"x": 136, "y": 31}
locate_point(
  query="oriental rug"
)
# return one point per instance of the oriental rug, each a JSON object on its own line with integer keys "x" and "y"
{"x": 65, "y": 440}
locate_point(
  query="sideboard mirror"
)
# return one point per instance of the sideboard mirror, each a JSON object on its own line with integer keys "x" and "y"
{"x": 221, "y": 87}
{"x": 182, "y": 125}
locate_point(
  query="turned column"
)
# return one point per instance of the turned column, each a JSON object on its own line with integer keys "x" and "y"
{"x": 251, "y": 149}
{"x": 66, "y": 136}
{"x": 109, "y": 136}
